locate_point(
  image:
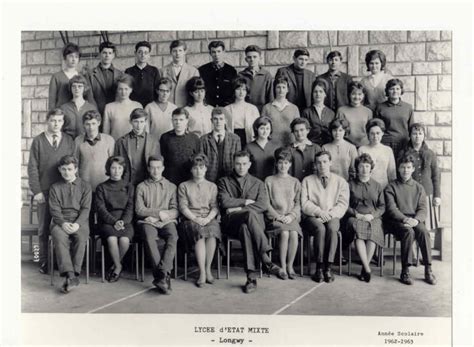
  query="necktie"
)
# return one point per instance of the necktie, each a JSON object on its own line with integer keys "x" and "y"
{"x": 55, "y": 141}
{"x": 219, "y": 138}
{"x": 324, "y": 181}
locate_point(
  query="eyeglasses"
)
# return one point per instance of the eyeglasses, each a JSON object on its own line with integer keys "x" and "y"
{"x": 164, "y": 90}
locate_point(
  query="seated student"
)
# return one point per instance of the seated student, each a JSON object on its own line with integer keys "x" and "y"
{"x": 337, "y": 81}
{"x": 406, "y": 215}
{"x": 160, "y": 110}
{"x": 75, "y": 109}
{"x": 284, "y": 211}
{"x": 219, "y": 146}
{"x": 178, "y": 72}
{"x": 46, "y": 150}
{"x": 356, "y": 114}
{"x": 243, "y": 201}
{"x": 117, "y": 113}
{"x": 115, "y": 205}
{"x": 156, "y": 208}
{"x": 302, "y": 150}
{"x": 374, "y": 84}
{"x": 103, "y": 78}
{"x": 319, "y": 115}
{"x": 262, "y": 149}
{"x": 197, "y": 199}
{"x": 343, "y": 153}
{"x": 218, "y": 76}
{"x": 385, "y": 169}
{"x": 199, "y": 111}
{"x": 281, "y": 112}
{"x": 241, "y": 114}
{"x": 92, "y": 150}
{"x": 324, "y": 201}
{"x": 136, "y": 147}
{"x": 69, "y": 205}
{"x": 258, "y": 79}
{"x": 300, "y": 79}
{"x": 397, "y": 115}
{"x": 364, "y": 215}
{"x": 177, "y": 146}
{"x": 145, "y": 76}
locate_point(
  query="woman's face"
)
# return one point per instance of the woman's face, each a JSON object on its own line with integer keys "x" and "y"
{"x": 319, "y": 95}
{"x": 417, "y": 137}
{"x": 395, "y": 92}
{"x": 116, "y": 171}
{"x": 199, "y": 171}
{"x": 338, "y": 133}
{"x": 163, "y": 93}
{"x": 357, "y": 96}
{"x": 199, "y": 95}
{"x": 281, "y": 90}
{"x": 283, "y": 166}
{"x": 240, "y": 93}
{"x": 263, "y": 131}
{"x": 375, "y": 135}
{"x": 123, "y": 91}
{"x": 375, "y": 66}
{"x": 364, "y": 170}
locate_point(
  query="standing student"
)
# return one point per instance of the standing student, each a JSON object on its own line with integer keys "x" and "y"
{"x": 318, "y": 114}
{"x": 103, "y": 78}
{"x": 177, "y": 146}
{"x": 136, "y": 147}
{"x": 299, "y": 79}
{"x": 45, "y": 153}
{"x": 281, "y": 112}
{"x": 198, "y": 109}
{"x": 356, "y": 114}
{"x": 258, "y": 79}
{"x": 324, "y": 201}
{"x": 145, "y": 76}
{"x": 219, "y": 146}
{"x": 179, "y": 72}
{"x": 198, "y": 204}
{"x": 375, "y": 83}
{"x": 218, "y": 76}
{"x": 337, "y": 81}
{"x": 156, "y": 208}
{"x": 160, "y": 110}
{"x": 241, "y": 114}
{"x": 117, "y": 113}
{"x": 243, "y": 201}
{"x": 75, "y": 109}
{"x": 284, "y": 211}
{"x": 69, "y": 205}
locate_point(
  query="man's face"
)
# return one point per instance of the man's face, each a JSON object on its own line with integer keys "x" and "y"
{"x": 91, "y": 127}
{"x": 253, "y": 59}
{"x": 217, "y": 54}
{"x": 178, "y": 54}
{"x": 72, "y": 60}
{"x": 123, "y": 91}
{"x": 301, "y": 61}
{"x": 155, "y": 169}
{"x": 218, "y": 122}
{"x": 138, "y": 125}
{"x": 55, "y": 123}
{"x": 323, "y": 165}
{"x": 300, "y": 131}
{"x": 68, "y": 172}
{"x": 142, "y": 55}
{"x": 242, "y": 166}
{"x": 406, "y": 170}
{"x": 334, "y": 63}
{"x": 107, "y": 55}
{"x": 164, "y": 92}
{"x": 180, "y": 123}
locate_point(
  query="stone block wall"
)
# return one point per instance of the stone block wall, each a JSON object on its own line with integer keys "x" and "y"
{"x": 422, "y": 59}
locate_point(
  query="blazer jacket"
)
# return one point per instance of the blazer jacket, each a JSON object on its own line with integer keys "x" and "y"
{"x": 308, "y": 78}
{"x": 97, "y": 84}
{"x": 340, "y": 89}
{"x": 178, "y": 89}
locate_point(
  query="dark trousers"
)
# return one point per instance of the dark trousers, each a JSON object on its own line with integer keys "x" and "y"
{"x": 407, "y": 236}
{"x": 69, "y": 248}
{"x": 149, "y": 235}
{"x": 249, "y": 227}
{"x": 325, "y": 238}
{"x": 44, "y": 221}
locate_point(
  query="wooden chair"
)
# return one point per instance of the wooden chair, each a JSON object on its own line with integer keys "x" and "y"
{"x": 30, "y": 229}
{"x": 229, "y": 242}
{"x": 134, "y": 247}
{"x": 308, "y": 251}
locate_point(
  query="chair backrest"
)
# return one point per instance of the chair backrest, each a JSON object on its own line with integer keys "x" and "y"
{"x": 32, "y": 208}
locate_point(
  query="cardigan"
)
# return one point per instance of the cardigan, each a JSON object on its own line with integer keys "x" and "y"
{"x": 263, "y": 159}
{"x": 302, "y": 161}
{"x": 218, "y": 83}
{"x": 116, "y": 119}
{"x": 159, "y": 121}
{"x": 308, "y": 78}
{"x": 406, "y": 199}
{"x": 101, "y": 94}
{"x": 343, "y": 156}
{"x": 73, "y": 117}
{"x": 336, "y": 95}
{"x": 366, "y": 198}
{"x": 281, "y": 120}
{"x": 59, "y": 92}
{"x": 357, "y": 117}
{"x": 200, "y": 119}
{"x": 385, "y": 169}
{"x": 260, "y": 85}
{"x": 153, "y": 197}
{"x": 246, "y": 111}
{"x": 114, "y": 196}
{"x": 208, "y": 145}
{"x": 319, "y": 132}
{"x": 145, "y": 82}
{"x": 375, "y": 94}
{"x": 284, "y": 194}
{"x": 178, "y": 94}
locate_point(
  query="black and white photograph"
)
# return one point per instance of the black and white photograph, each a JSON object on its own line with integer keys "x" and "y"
{"x": 237, "y": 184}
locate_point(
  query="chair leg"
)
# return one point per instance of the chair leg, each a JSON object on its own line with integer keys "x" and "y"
{"x": 308, "y": 254}
{"x": 218, "y": 263}
{"x": 102, "y": 262}
{"x": 381, "y": 258}
{"x": 30, "y": 243}
{"x": 185, "y": 266}
{"x": 349, "y": 263}
{"x": 51, "y": 258}
{"x": 135, "y": 248}
{"x": 87, "y": 260}
{"x": 302, "y": 256}
{"x": 394, "y": 255}
{"x": 440, "y": 244}
{"x": 228, "y": 257}
{"x": 143, "y": 262}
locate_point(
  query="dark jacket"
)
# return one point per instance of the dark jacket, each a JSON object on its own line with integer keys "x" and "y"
{"x": 218, "y": 83}
{"x": 319, "y": 132}
{"x": 340, "y": 90}
{"x": 101, "y": 95}
{"x": 308, "y": 78}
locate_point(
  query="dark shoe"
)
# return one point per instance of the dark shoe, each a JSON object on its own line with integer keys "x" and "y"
{"x": 367, "y": 277}
{"x": 114, "y": 277}
{"x": 43, "y": 269}
{"x": 109, "y": 273}
{"x": 318, "y": 276}
{"x": 272, "y": 269}
{"x": 405, "y": 278}
{"x": 291, "y": 275}
{"x": 344, "y": 261}
{"x": 250, "y": 286}
{"x": 328, "y": 276}
{"x": 361, "y": 277}
{"x": 199, "y": 283}
{"x": 429, "y": 277}
{"x": 162, "y": 285}
{"x": 66, "y": 285}
{"x": 74, "y": 282}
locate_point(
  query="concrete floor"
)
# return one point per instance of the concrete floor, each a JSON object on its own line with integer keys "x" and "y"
{"x": 383, "y": 296}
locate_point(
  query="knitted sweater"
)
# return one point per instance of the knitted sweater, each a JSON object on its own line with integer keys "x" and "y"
{"x": 117, "y": 118}
{"x": 285, "y": 196}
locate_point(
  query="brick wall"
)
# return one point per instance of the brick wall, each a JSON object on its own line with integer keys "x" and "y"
{"x": 422, "y": 59}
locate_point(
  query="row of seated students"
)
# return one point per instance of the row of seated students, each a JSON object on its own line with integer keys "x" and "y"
{"x": 242, "y": 196}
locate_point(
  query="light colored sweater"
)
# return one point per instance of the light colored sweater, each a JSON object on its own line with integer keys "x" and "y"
{"x": 357, "y": 118}
{"x": 385, "y": 169}
{"x": 343, "y": 156}
{"x": 285, "y": 196}
{"x": 241, "y": 116}
{"x": 116, "y": 120}
{"x": 159, "y": 121}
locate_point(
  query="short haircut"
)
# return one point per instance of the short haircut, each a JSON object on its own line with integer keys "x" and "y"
{"x": 374, "y": 54}
{"x": 393, "y": 82}
{"x": 374, "y": 122}
{"x": 138, "y": 113}
{"x": 107, "y": 44}
{"x": 300, "y": 51}
{"x": 199, "y": 159}
{"x": 142, "y": 44}
{"x": 154, "y": 158}
{"x": 180, "y": 111}
{"x": 340, "y": 122}
{"x": 55, "y": 112}
{"x": 283, "y": 154}
{"x": 417, "y": 126}
{"x": 264, "y": 120}
{"x": 114, "y": 159}
{"x": 240, "y": 82}
{"x": 92, "y": 114}
{"x": 79, "y": 79}
{"x": 178, "y": 43}
{"x": 354, "y": 85}
{"x": 71, "y": 48}
{"x": 253, "y": 48}
{"x": 193, "y": 84}
{"x": 299, "y": 120}
{"x": 166, "y": 81}
{"x": 68, "y": 159}
{"x": 407, "y": 158}
{"x": 364, "y": 158}
{"x": 217, "y": 111}
{"x": 215, "y": 44}
{"x": 321, "y": 83}
{"x": 280, "y": 80}
{"x": 126, "y": 79}
{"x": 333, "y": 54}
{"x": 241, "y": 154}
{"x": 321, "y": 153}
